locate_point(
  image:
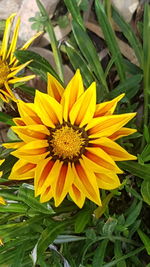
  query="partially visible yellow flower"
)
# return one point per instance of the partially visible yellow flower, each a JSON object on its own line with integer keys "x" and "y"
{"x": 68, "y": 142}
{"x": 2, "y": 201}
{"x": 9, "y": 67}
{"x": 1, "y": 242}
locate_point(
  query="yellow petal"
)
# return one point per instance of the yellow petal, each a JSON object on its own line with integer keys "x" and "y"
{"x": 77, "y": 196}
{"x": 85, "y": 181}
{"x": 2, "y": 202}
{"x": 21, "y": 79}
{"x": 12, "y": 47}
{"x": 72, "y": 92}
{"x": 115, "y": 151}
{"x": 47, "y": 195}
{"x": 52, "y": 176}
{"x": 54, "y": 88}
{"x": 122, "y": 132}
{"x": 9, "y": 92}
{"x": 19, "y": 122}
{"x": 30, "y": 41}
{"x": 42, "y": 174}
{"x": 13, "y": 145}
{"x": 31, "y": 132}
{"x": 32, "y": 152}
{"x": 22, "y": 170}
{"x": 107, "y": 181}
{"x": 107, "y": 108}
{"x": 18, "y": 69}
{"x": 49, "y": 110}
{"x": 107, "y": 125}
{"x": 6, "y": 35}
{"x": 84, "y": 108}
{"x": 28, "y": 112}
{"x": 102, "y": 159}
{"x": 61, "y": 186}
{"x": 4, "y": 97}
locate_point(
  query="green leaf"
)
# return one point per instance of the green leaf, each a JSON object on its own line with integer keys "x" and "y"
{"x": 129, "y": 34}
{"x": 110, "y": 38}
{"x": 74, "y": 10}
{"x": 118, "y": 254}
{"x": 27, "y": 196}
{"x": 133, "y": 215}
{"x": 19, "y": 255}
{"x": 145, "y": 155}
{"x": 49, "y": 235}
{"x": 130, "y": 87}
{"x": 145, "y": 191}
{"x": 6, "y": 118}
{"x": 136, "y": 169}
{"x": 90, "y": 55}
{"x": 82, "y": 220}
{"x": 109, "y": 226}
{"x": 99, "y": 254}
{"x": 39, "y": 64}
{"x": 77, "y": 61}
{"x": 61, "y": 239}
{"x": 14, "y": 207}
{"x": 145, "y": 239}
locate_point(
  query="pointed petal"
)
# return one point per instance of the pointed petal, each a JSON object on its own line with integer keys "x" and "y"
{"x": 107, "y": 180}
{"x": 54, "y": 88}
{"x": 22, "y": 170}
{"x": 72, "y": 92}
{"x": 115, "y": 151}
{"x": 31, "y": 132}
{"x": 4, "y": 97}
{"x": 62, "y": 185}
{"x": 9, "y": 92}
{"x": 13, "y": 145}
{"x": 107, "y": 125}
{"x": 122, "y": 132}
{"x": 19, "y": 122}
{"x": 12, "y": 47}
{"x": 77, "y": 196}
{"x": 86, "y": 182}
{"x": 32, "y": 152}
{"x": 107, "y": 108}
{"x": 18, "y": 69}
{"x": 21, "y": 79}
{"x": 28, "y": 112}
{"x": 2, "y": 202}
{"x": 52, "y": 176}
{"x": 42, "y": 173}
{"x": 49, "y": 110}
{"x": 47, "y": 195}
{"x": 84, "y": 108}
{"x": 4, "y": 46}
{"x": 102, "y": 159}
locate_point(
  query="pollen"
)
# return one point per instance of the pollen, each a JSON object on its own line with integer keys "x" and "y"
{"x": 4, "y": 71}
{"x": 67, "y": 142}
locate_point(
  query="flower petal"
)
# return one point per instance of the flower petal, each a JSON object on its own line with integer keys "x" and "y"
{"x": 61, "y": 186}
{"x": 21, "y": 79}
{"x": 31, "y": 132}
{"x": 49, "y": 110}
{"x": 107, "y": 180}
{"x": 72, "y": 92}
{"x": 22, "y": 170}
{"x": 86, "y": 182}
{"x": 2, "y": 202}
{"x": 107, "y": 108}
{"x": 3, "y": 51}
{"x": 77, "y": 196}
{"x": 32, "y": 152}
{"x": 28, "y": 112}
{"x": 42, "y": 173}
{"x": 115, "y": 151}
{"x": 84, "y": 108}
{"x": 102, "y": 159}
{"x": 12, "y": 47}
{"x": 107, "y": 125}
{"x": 47, "y": 195}
{"x": 122, "y": 132}
{"x": 54, "y": 88}
{"x": 13, "y": 145}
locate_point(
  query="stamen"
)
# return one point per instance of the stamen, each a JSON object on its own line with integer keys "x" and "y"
{"x": 67, "y": 142}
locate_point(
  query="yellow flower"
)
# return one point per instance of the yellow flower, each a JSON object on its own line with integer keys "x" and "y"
{"x": 68, "y": 142}
{"x": 9, "y": 67}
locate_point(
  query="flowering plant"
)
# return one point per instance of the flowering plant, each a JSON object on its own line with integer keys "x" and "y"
{"x": 69, "y": 167}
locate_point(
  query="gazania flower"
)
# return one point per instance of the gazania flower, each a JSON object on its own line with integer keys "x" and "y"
{"x": 9, "y": 67}
{"x": 68, "y": 142}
